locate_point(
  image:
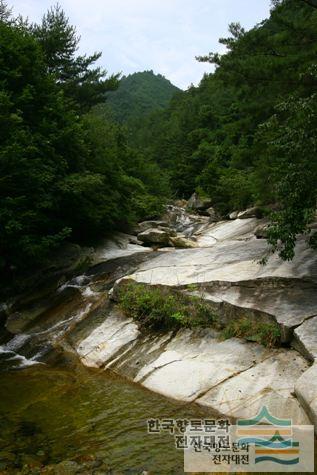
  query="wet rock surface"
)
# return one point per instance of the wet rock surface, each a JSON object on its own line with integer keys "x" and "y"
{"x": 232, "y": 377}
{"x": 223, "y": 260}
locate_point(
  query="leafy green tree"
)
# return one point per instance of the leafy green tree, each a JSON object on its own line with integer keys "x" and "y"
{"x": 40, "y": 142}
{"x": 212, "y": 137}
{"x": 5, "y": 12}
{"x": 64, "y": 175}
{"x": 291, "y": 135}
{"x": 85, "y": 84}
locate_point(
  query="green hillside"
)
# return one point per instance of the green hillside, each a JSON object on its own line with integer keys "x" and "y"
{"x": 139, "y": 94}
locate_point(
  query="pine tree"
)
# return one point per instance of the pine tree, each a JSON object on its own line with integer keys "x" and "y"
{"x": 5, "y": 12}
{"x": 84, "y": 84}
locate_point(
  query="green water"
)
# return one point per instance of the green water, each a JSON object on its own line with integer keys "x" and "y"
{"x": 67, "y": 421}
{"x": 92, "y": 418}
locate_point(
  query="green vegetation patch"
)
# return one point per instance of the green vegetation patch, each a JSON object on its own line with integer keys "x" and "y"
{"x": 162, "y": 308}
{"x": 267, "y": 334}
{"x": 159, "y": 308}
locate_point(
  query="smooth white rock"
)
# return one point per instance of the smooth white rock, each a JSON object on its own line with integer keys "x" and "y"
{"x": 106, "y": 340}
{"x": 306, "y": 391}
{"x": 118, "y": 246}
{"x": 229, "y": 230}
{"x": 306, "y": 334}
{"x": 228, "y": 261}
{"x": 270, "y": 383}
{"x": 195, "y": 361}
{"x": 248, "y": 213}
{"x": 290, "y": 306}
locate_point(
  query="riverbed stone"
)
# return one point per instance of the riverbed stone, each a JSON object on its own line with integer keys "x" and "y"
{"x": 233, "y": 215}
{"x": 183, "y": 222}
{"x": 196, "y": 360}
{"x": 182, "y": 242}
{"x": 270, "y": 383}
{"x": 262, "y": 231}
{"x": 250, "y": 213}
{"x": 306, "y": 391}
{"x": 155, "y": 236}
{"x": 119, "y": 245}
{"x": 228, "y": 261}
{"x": 237, "y": 230}
{"x": 306, "y": 338}
{"x": 289, "y": 304}
{"x": 115, "y": 333}
{"x": 228, "y": 264}
{"x": 145, "y": 225}
{"x": 233, "y": 377}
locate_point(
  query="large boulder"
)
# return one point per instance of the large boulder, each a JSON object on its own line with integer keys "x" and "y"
{"x": 118, "y": 246}
{"x": 213, "y": 215}
{"x": 254, "y": 212}
{"x": 305, "y": 339}
{"x": 196, "y": 203}
{"x": 306, "y": 392}
{"x": 262, "y": 231}
{"x": 145, "y": 225}
{"x": 182, "y": 242}
{"x": 234, "y": 215}
{"x": 155, "y": 236}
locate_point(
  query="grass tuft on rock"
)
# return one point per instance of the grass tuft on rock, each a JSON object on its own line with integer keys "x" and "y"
{"x": 159, "y": 308}
{"x": 267, "y": 334}
{"x": 162, "y": 308}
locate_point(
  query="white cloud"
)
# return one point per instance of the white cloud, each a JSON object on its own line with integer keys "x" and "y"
{"x": 163, "y": 35}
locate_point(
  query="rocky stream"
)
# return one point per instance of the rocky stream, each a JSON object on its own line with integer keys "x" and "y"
{"x": 79, "y": 378}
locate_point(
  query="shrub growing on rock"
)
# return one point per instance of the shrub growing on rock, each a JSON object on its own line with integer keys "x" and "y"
{"x": 160, "y": 308}
{"x": 267, "y": 334}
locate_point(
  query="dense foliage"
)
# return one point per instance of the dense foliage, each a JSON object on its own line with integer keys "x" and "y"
{"x": 139, "y": 94}
{"x": 70, "y": 171}
{"x": 161, "y": 308}
{"x": 247, "y": 134}
{"x": 66, "y": 169}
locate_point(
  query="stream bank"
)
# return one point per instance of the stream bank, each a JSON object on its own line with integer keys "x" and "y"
{"x": 235, "y": 378}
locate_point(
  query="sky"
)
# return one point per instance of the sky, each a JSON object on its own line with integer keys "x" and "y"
{"x": 159, "y": 35}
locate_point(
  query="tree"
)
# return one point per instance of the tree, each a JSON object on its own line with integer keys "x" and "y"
{"x": 212, "y": 137}
{"x": 5, "y": 12}
{"x": 292, "y": 144}
{"x": 64, "y": 175}
{"x": 34, "y": 128}
{"x": 85, "y": 85}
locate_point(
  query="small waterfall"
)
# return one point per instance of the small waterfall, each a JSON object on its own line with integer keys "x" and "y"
{"x": 9, "y": 356}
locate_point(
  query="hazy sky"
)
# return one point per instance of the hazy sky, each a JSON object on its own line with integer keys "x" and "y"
{"x": 163, "y": 35}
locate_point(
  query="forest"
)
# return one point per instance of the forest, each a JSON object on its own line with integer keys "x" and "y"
{"x": 247, "y": 134}
{"x": 69, "y": 160}
{"x": 65, "y": 165}
{"x": 138, "y": 95}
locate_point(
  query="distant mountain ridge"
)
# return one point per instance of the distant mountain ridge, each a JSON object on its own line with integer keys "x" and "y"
{"x": 140, "y": 94}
